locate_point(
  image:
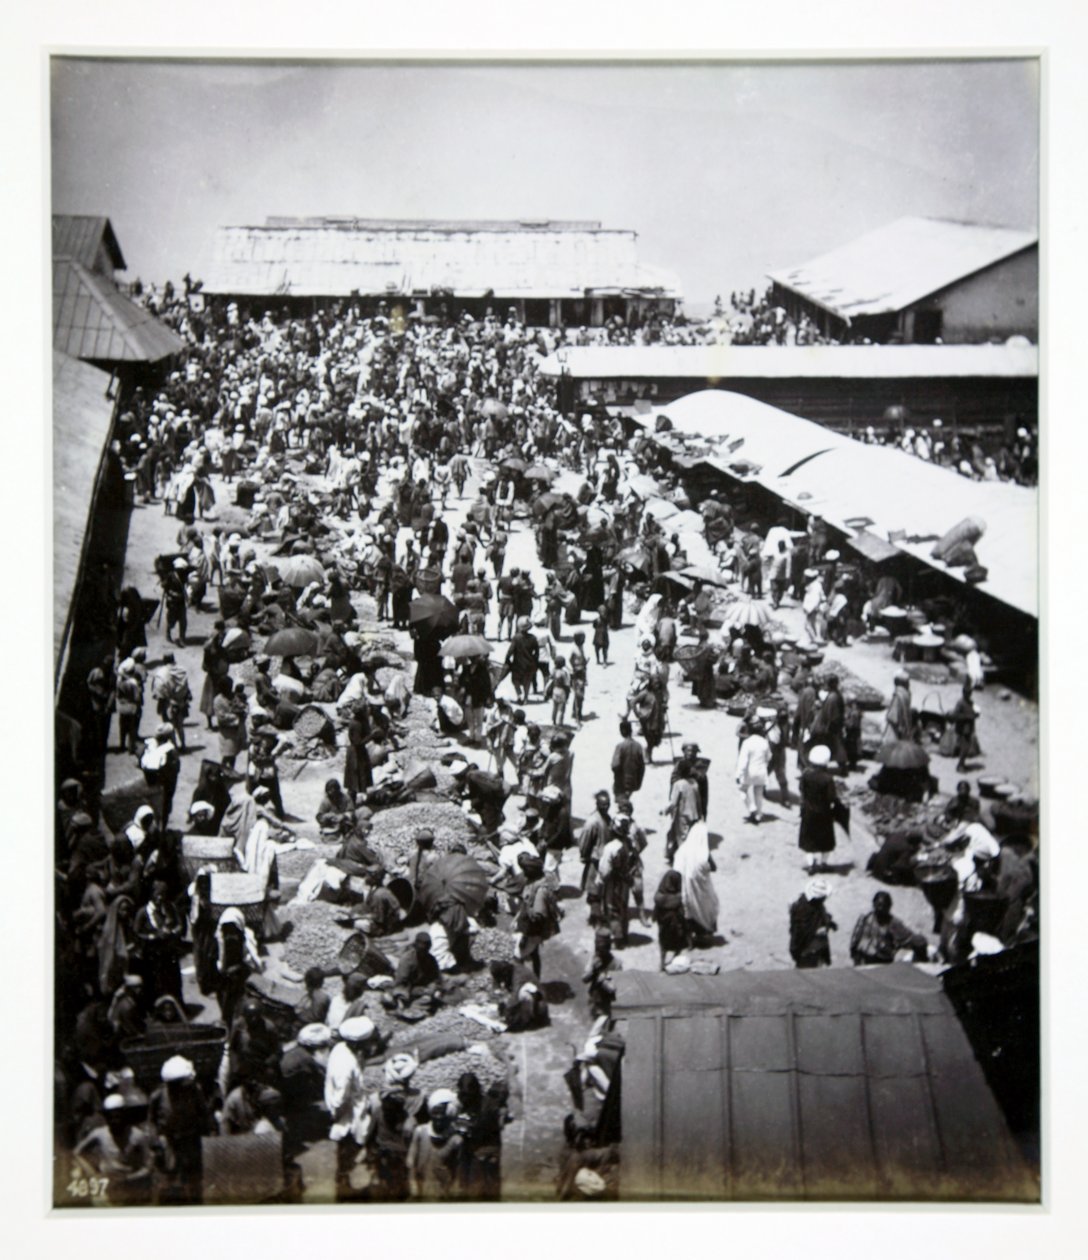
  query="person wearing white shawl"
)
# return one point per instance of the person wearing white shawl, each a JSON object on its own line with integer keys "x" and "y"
{"x": 694, "y": 863}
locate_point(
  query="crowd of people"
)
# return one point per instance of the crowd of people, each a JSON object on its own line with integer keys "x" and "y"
{"x": 351, "y": 439}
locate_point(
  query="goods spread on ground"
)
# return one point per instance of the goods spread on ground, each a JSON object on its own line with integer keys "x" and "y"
{"x": 314, "y": 938}
{"x": 393, "y": 831}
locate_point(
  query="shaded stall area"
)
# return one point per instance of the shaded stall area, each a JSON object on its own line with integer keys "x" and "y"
{"x": 838, "y": 1084}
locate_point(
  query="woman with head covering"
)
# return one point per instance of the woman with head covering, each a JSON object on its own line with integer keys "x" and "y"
{"x": 810, "y": 924}
{"x": 818, "y": 802}
{"x": 157, "y": 928}
{"x": 694, "y": 864}
{"x": 115, "y": 944}
{"x": 237, "y": 957}
{"x": 670, "y": 917}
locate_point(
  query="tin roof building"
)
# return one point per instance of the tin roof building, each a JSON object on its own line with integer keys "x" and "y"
{"x": 920, "y": 280}
{"x": 552, "y": 271}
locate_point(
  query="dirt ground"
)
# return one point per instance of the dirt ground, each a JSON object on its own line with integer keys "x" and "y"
{"x": 760, "y": 869}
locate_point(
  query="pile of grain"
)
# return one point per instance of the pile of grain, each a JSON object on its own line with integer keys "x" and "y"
{"x": 393, "y": 830}
{"x": 315, "y": 939}
{"x": 492, "y": 944}
{"x": 445, "y": 1072}
{"x": 296, "y": 863}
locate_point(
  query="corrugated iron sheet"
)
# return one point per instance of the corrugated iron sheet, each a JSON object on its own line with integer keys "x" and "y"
{"x": 81, "y": 423}
{"x": 328, "y": 261}
{"x": 850, "y": 1084}
{"x": 93, "y": 321}
{"x": 79, "y": 236}
{"x": 899, "y": 264}
{"x": 724, "y": 363}
{"x": 807, "y": 465}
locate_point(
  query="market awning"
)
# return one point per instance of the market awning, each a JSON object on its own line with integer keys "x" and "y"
{"x": 831, "y": 1084}
{"x": 872, "y": 548}
{"x": 82, "y": 415}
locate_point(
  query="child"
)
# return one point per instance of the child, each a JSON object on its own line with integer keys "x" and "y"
{"x": 578, "y": 668}
{"x": 559, "y": 685}
{"x": 600, "y": 637}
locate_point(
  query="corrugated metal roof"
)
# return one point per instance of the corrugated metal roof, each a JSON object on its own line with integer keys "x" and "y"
{"x": 81, "y": 425}
{"x": 899, "y": 264}
{"x": 93, "y": 321}
{"x": 829, "y": 1084}
{"x": 79, "y": 236}
{"x": 329, "y": 261}
{"x": 842, "y": 480}
{"x": 724, "y": 363}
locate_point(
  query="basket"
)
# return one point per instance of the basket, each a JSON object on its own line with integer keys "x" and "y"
{"x": 248, "y": 892}
{"x": 428, "y": 581}
{"x": 216, "y": 852}
{"x": 685, "y": 657}
{"x": 201, "y": 1044}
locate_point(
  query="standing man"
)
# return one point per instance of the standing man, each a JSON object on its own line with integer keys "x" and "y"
{"x": 522, "y": 660}
{"x": 579, "y": 670}
{"x": 628, "y": 764}
{"x": 595, "y": 834}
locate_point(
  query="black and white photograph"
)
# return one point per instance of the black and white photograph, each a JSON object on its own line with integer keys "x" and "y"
{"x": 544, "y": 553}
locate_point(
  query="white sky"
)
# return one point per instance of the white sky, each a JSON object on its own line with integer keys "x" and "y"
{"x": 725, "y": 171}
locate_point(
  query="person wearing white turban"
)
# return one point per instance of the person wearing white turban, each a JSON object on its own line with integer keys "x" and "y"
{"x": 810, "y": 923}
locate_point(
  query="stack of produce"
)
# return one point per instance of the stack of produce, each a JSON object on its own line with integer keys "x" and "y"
{"x": 851, "y": 686}
{"x": 445, "y": 1072}
{"x": 393, "y": 830}
{"x": 315, "y": 938}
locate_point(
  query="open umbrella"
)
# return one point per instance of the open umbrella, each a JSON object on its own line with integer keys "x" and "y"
{"x": 904, "y": 754}
{"x": 514, "y": 463}
{"x": 433, "y": 614}
{"x": 537, "y": 472}
{"x": 300, "y": 571}
{"x": 634, "y": 558}
{"x": 462, "y": 646}
{"x": 492, "y": 407}
{"x": 236, "y": 644}
{"x": 708, "y": 576}
{"x": 543, "y": 505}
{"x": 458, "y": 877}
{"x": 746, "y": 612}
{"x": 292, "y": 641}
{"x": 644, "y": 486}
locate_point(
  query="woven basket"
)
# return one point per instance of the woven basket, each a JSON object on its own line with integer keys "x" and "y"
{"x": 248, "y": 892}
{"x": 201, "y": 1044}
{"x": 216, "y": 852}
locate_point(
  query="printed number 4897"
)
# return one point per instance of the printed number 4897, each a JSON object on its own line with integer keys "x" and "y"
{"x": 80, "y": 1187}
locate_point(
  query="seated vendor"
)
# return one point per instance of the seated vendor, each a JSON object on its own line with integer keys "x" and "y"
{"x": 335, "y": 806}
{"x": 380, "y": 909}
{"x": 417, "y": 985}
{"x": 894, "y": 861}
{"x": 963, "y": 807}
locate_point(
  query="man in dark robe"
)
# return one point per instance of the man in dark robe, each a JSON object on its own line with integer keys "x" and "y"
{"x": 628, "y": 764}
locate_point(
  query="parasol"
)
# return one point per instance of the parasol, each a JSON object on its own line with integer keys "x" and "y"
{"x": 463, "y": 646}
{"x": 432, "y": 614}
{"x": 546, "y": 502}
{"x": 904, "y": 754}
{"x": 300, "y": 571}
{"x": 236, "y": 644}
{"x": 457, "y": 877}
{"x": 708, "y": 576}
{"x": 514, "y": 463}
{"x": 676, "y": 579}
{"x": 597, "y": 536}
{"x": 634, "y": 558}
{"x": 644, "y": 486}
{"x": 492, "y": 407}
{"x": 293, "y": 641}
{"x": 747, "y": 612}
{"x": 537, "y": 472}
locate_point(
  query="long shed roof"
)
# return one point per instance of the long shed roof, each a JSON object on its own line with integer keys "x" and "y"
{"x": 858, "y": 487}
{"x": 830, "y": 1084}
{"x": 93, "y": 320}
{"x": 723, "y": 363}
{"x": 326, "y": 259}
{"x": 899, "y": 264}
{"x": 79, "y": 236}
{"x": 81, "y": 423}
